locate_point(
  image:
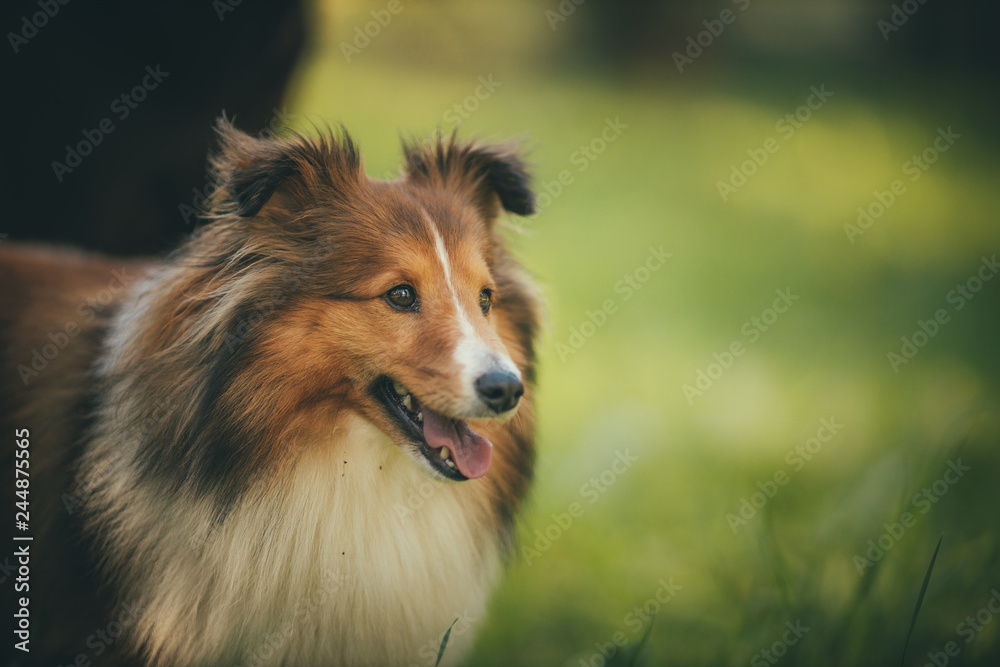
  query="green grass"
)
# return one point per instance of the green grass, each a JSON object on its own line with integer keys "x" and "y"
{"x": 665, "y": 516}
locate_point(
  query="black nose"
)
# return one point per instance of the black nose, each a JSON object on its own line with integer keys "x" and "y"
{"x": 499, "y": 390}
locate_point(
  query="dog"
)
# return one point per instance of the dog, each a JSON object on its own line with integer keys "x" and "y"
{"x": 303, "y": 438}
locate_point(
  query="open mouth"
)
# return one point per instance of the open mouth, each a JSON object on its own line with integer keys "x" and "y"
{"x": 451, "y": 447}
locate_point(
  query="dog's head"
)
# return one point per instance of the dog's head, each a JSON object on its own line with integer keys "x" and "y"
{"x": 395, "y": 299}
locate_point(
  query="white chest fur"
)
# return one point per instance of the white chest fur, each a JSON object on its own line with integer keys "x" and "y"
{"x": 358, "y": 558}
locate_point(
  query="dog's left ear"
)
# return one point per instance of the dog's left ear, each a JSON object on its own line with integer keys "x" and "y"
{"x": 490, "y": 174}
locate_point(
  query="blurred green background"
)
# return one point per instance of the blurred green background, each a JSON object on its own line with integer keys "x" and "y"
{"x": 809, "y": 481}
{"x": 670, "y": 523}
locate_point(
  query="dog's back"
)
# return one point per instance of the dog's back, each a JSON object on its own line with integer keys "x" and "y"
{"x": 53, "y": 311}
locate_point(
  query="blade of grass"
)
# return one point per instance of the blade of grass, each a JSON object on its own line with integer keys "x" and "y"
{"x": 642, "y": 643}
{"x": 444, "y": 642}
{"x": 920, "y": 601}
{"x": 775, "y": 560}
{"x": 851, "y": 615}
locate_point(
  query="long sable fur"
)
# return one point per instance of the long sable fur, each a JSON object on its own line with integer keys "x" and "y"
{"x": 176, "y": 407}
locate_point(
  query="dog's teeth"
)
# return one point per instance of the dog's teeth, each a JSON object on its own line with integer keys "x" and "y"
{"x": 398, "y": 388}
{"x": 408, "y": 402}
{"x": 450, "y": 463}
{"x": 420, "y": 416}
{"x": 445, "y": 453}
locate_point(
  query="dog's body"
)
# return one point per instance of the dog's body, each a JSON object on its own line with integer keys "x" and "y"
{"x": 257, "y": 451}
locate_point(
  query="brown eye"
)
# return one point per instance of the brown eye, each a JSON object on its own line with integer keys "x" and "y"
{"x": 402, "y": 297}
{"x": 485, "y": 300}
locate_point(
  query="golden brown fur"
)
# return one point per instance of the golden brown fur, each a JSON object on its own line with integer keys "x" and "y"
{"x": 211, "y": 449}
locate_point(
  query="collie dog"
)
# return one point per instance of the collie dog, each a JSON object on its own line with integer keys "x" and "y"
{"x": 301, "y": 439}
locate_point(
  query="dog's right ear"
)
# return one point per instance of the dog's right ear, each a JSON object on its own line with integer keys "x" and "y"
{"x": 494, "y": 176}
{"x": 251, "y": 173}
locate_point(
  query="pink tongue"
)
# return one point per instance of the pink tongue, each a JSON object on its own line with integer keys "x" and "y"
{"x": 471, "y": 452}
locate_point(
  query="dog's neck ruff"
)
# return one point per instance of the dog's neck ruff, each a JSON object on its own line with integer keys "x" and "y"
{"x": 352, "y": 556}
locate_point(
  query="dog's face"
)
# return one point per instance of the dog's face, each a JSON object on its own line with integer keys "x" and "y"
{"x": 406, "y": 312}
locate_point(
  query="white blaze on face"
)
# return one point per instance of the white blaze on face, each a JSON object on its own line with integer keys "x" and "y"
{"x": 471, "y": 354}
